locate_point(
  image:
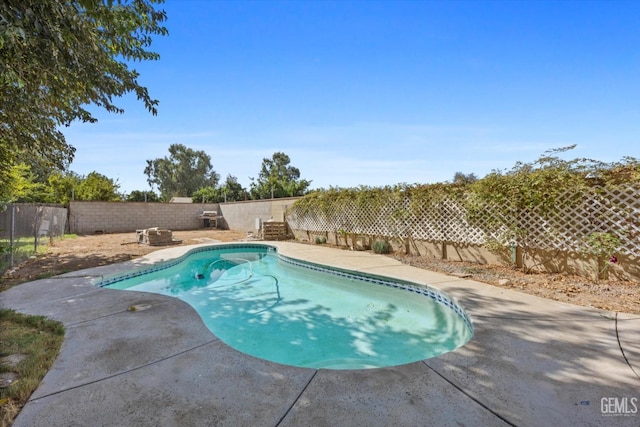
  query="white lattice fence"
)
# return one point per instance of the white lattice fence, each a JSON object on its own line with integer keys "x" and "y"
{"x": 615, "y": 211}
{"x": 562, "y": 227}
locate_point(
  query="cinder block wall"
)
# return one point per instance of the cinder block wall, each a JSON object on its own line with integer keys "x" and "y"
{"x": 242, "y": 216}
{"x": 122, "y": 217}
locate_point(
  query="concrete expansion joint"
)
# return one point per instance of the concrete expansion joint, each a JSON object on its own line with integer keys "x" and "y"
{"x": 622, "y": 349}
{"x": 123, "y": 372}
{"x": 293, "y": 403}
{"x": 128, "y": 309}
{"x": 469, "y": 395}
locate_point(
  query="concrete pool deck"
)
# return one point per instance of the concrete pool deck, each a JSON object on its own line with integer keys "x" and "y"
{"x": 531, "y": 362}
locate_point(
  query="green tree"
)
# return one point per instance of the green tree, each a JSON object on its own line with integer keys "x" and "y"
{"x": 232, "y": 190}
{"x": 182, "y": 173}
{"x": 96, "y": 186}
{"x": 27, "y": 181}
{"x": 462, "y": 178}
{"x": 206, "y": 195}
{"x": 19, "y": 185}
{"x": 58, "y": 56}
{"x": 229, "y": 191}
{"x": 142, "y": 196}
{"x": 278, "y": 179}
{"x": 62, "y": 187}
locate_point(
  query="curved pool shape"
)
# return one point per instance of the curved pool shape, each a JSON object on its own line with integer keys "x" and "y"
{"x": 302, "y": 314}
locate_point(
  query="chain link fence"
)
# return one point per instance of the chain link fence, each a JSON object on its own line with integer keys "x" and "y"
{"x": 25, "y": 227}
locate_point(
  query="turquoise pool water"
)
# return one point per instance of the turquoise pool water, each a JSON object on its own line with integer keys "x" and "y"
{"x": 303, "y": 314}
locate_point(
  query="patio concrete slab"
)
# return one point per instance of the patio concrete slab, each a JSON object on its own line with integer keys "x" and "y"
{"x": 207, "y": 386}
{"x": 529, "y": 354}
{"x": 523, "y": 368}
{"x": 74, "y": 300}
{"x": 629, "y": 336}
{"x": 123, "y": 341}
{"x": 531, "y": 361}
{"x": 38, "y": 296}
{"x": 411, "y": 395}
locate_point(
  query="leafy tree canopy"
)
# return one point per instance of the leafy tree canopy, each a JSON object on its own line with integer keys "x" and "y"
{"x": 182, "y": 173}
{"x": 206, "y": 195}
{"x": 58, "y": 56}
{"x": 62, "y": 186}
{"x": 462, "y": 178}
{"x": 232, "y": 191}
{"x": 278, "y": 179}
{"x": 142, "y": 196}
{"x": 19, "y": 185}
{"x": 96, "y": 186}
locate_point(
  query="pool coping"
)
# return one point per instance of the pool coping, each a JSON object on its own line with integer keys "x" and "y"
{"x": 148, "y": 360}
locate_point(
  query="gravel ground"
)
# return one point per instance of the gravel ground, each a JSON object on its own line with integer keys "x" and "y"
{"x": 614, "y": 295}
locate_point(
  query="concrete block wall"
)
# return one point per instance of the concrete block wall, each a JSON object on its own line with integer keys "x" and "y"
{"x": 122, "y": 217}
{"x": 242, "y": 216}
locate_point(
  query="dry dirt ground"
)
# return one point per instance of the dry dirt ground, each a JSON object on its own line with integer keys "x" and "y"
{"x": 71, "y": 254}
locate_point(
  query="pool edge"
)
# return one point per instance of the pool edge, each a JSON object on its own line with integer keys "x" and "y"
{"x": 167, "y": 258}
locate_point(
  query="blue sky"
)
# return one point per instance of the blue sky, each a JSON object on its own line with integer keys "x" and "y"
{"x": 378, "y": 92}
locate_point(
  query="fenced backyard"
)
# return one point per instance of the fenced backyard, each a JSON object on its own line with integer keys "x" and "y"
{"x": 24, "y": 228}
{"x": 580, "y": 232}
{"x": 587, "y": 231}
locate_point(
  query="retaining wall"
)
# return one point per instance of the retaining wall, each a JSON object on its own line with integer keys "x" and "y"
{"x": 627, "y": 267}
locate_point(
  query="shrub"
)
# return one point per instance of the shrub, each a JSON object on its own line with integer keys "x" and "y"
{"x": 321, "y": 240}
{"x": 381, "y": 247}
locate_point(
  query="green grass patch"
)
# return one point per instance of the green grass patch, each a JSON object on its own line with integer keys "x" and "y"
{"x": 22, "y": 249}
{"x": 38, "y": 340}
{"x": 21, "y": 246}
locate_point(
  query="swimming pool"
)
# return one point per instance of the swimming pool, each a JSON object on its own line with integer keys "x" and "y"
{"x": 298, "y": 313}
